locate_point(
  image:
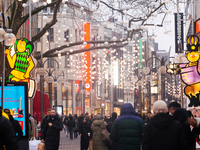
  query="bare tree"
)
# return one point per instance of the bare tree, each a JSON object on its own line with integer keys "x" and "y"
{"x": 130, "y": 12}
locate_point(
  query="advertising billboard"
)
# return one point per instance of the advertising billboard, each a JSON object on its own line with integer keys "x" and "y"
{"x": 16, "y": 99}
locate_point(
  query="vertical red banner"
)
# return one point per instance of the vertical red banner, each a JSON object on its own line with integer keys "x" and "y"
{"x": 87, "y": 58}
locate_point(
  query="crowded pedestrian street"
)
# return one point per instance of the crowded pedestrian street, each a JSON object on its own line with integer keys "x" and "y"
{"x": 99, "y": 74}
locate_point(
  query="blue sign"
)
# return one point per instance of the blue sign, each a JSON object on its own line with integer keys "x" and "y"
{"x": 14, "y": 99}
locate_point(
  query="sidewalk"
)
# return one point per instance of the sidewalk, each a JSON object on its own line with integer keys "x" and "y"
{"x": 67, "y": 144}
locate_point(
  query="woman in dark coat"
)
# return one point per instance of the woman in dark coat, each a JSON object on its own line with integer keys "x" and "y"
{"x": 85, "y": 133}
{"x": 182, "y": 116}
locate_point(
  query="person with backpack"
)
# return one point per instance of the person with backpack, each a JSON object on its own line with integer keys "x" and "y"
{"x": 97, "y": 141}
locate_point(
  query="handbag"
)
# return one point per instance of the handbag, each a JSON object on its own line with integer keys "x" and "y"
{"x": 105, "y": 137}
{"x": 41, "y": 146}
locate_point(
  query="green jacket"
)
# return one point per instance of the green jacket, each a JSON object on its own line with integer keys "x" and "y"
{"x": 127, "y": 129}
{"x": 97, "y": 142}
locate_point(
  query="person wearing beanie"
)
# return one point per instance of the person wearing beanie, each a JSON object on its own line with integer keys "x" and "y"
{"x": 162, "y": 132}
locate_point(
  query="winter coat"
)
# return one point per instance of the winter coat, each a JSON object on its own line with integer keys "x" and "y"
{"x": 32, "y": 126}
{"x": 51, "y": 135}
{"x": 127, "y": 129}
{"x": 17, "y": 128}
{"x": 97, "y": 142}
{"x": 71, "y": 122}
{"x": 43, "y": 122}
{"x": 84, "y": 129}
{"x": 7, "y": 134}
{"x": 76, "y": 124}
{"x": 109, "y": 126}
{"x": 163, "y": 133}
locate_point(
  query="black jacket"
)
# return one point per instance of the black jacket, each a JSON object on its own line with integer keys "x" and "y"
{"x": 84, "y": 129}
{"x": 51, "y": 135}
{"x": 43, "y": 122}
{"x": 163, "y": 133}
{"x": 7, "y": 134}
{"x": 71, "y": 122}
{"x": 17, "y": 128}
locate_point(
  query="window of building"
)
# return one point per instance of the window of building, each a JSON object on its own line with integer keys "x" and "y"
{"x": 66, "y": 35}
{"x": 50, "y": 62}
{"x": 38, "y": 30}
{"x": 45, "y": 10}
{"x": 50, "y": 37}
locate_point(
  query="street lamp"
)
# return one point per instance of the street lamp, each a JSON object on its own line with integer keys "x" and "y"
{"x": 8, "y": 39}
{"x": 147, "y": 70}
{"x": 41, "y": 71}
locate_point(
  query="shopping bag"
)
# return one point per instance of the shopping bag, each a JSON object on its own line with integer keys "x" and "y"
{"x": 33, "y": 144}
{"x": 41, "y": 146}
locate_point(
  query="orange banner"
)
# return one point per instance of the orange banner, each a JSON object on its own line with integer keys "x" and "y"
{"x": 87, "y": 58}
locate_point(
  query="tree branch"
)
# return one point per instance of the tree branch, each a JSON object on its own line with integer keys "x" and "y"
{"x": 33, "y": 12}
{"x": 50, "y": 24}
{"x": 74, "y": 44}
{"x": 88, "y": 49}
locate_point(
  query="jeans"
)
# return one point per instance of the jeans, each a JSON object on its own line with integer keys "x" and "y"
{"x": 75, "y": 133}
{"x": 66, "y": 130}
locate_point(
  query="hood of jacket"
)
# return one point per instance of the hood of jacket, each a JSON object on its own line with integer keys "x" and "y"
{"x": 98, "y": 122}
{"x": 161, "y": 120}
{"x": 127, "y": 109}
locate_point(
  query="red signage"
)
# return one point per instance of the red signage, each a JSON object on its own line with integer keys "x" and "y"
{"x": 87, "y": 58}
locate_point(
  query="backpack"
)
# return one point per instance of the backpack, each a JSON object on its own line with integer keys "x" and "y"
{"x": 105, "y": 137}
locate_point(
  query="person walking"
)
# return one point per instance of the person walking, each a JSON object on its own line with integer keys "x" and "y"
{"x": 45, "y": 118}
{"x": 76, "y": 126}
{"x": 97, "y": 126}
{"x": 111, "y": 121}
{"x": 7, "y": 134}
{"x": 71, "y": 125}
{"x": 127, "y": 129}
{"x": 109, "y": 126}
{"x": 85, "y": 133}
{"x": 172, "y": 108}
{"x": 51, "y": 132}
{"x": 182, "y": 116}
{"x": 162, "y": 132}
{"x": 16, "y": 126}
{"x": 65, "y": 123}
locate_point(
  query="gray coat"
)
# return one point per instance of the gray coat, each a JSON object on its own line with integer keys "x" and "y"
{"x": 97, "y": 142}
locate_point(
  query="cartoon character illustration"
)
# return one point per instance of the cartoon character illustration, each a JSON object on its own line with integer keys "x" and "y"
{"x": 20, "y": 60}
{"x": 189, "y": 71}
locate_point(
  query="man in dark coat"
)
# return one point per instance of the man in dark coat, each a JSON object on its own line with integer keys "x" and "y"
{"x": 71, "y": 125}
{"x": 127, "y": 129}
{"x": 172, "y": 108}
{"x": 45, "y": 118}
{"x": 163, "y": 132}
{"x": 15, "y": 124}
{"x": 51, "y": 131}
{"x": 7, "y": 134}
{"x": 110, "y": 123}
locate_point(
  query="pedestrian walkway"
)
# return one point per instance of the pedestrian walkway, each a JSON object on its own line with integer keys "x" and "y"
{"x": 67, "y": 144}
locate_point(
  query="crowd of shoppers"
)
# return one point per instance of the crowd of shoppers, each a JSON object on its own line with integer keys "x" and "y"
{"x": 165, "y": 128}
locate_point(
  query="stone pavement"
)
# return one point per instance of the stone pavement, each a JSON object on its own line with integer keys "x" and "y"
{"x": 67, "y": 144}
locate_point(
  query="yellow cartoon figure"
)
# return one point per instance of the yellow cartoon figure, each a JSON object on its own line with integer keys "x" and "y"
{"x": 21, "y": 61}
{"x": 189, "y": 71}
